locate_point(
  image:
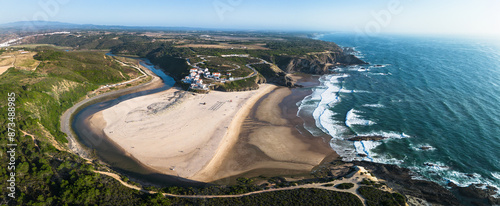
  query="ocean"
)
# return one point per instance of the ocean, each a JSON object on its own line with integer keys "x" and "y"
{"x": 436, "y": 100}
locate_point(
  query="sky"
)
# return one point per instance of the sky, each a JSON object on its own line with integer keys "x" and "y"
{"x": 478, "y": 17}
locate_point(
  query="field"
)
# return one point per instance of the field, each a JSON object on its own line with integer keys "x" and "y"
{"x": 18, "y": 59}
{"x": 227, "y": 46}
{"x": 32, "y": 46}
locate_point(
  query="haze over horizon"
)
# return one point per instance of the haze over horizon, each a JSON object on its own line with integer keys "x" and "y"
{"x": 388, "y": 16}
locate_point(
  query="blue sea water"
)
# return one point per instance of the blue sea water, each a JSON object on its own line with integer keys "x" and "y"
{"x": 436, "y": 99}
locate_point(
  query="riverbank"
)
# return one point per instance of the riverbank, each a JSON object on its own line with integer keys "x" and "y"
{"x": 74, "y": 144}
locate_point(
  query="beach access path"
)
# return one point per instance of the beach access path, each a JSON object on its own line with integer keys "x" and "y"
{"x": 354, "y": 178}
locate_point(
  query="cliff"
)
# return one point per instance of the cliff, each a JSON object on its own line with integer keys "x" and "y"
{"x": 313, "y": 63}
{"x": 316, "y": 63}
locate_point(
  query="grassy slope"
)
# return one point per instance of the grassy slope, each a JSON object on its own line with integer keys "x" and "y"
{"x": 44, "y": 94}
{"x": 45, "y": 175}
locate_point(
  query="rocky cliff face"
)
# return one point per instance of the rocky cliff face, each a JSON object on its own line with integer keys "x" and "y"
{"x": 318, "y": 63}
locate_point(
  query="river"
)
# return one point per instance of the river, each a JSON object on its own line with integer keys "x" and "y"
{"x": 111, "y": 153}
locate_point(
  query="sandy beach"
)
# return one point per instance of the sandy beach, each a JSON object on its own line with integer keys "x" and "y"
{"x": 176, "y": 132}
{"x": 270, "y": 144}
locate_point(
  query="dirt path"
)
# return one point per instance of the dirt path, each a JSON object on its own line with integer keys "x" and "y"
{"x": 354, "y": 178}
{"x": 5, "y": 68}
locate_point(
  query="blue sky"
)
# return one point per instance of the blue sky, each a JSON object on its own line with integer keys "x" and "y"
{"x": 367, "y": 16}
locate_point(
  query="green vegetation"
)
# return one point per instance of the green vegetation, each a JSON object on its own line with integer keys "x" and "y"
{"x": 61, "y": 80}
{"x": 33, "y": 46}
{"x": 375, "y": 197}
{"x": 241, "y": 60}
{"x": 240, "y": 85}
{"x": 234, "y": 65}
{"x": 366, "y": 181}
{"x": 264, "y": 69}
{"x": 165, "y": 55}
{"x": 286, "y": 197}
{"x": 48, "y": 55}
{"x": 301, "y": 46}
{"x": 89, "y": 40}
{"x": 47, "y": 176}
{"x": 345, "y": 186}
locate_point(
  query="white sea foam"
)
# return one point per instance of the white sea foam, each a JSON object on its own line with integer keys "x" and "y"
{"x": 355, "y": 68}
{"x": 437, "y": 166}
{"x": 345, "y": 149}
{"x": 306, "y": 107}
{"x": 386, "y": 159}
{"x": 352, "y": 91}
{"x": 373, "y": 105}
{"x": 361, "y": 151}
{"x": 364, "y": 147}
{"x": 346, "y": 91}
{"x": 352, "y": 118}
{"x": 391, "y": 135}
{"x": 380, "y": 74}
{"x": 328, "y": 98}
{"x": 459, "y": 178}
{"x": 496, "y": 175}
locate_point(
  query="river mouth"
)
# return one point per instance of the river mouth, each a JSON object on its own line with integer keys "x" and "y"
{"x": 112, "y": 154}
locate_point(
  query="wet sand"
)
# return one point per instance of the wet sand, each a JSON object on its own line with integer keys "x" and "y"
{"x": 272, "y": 140}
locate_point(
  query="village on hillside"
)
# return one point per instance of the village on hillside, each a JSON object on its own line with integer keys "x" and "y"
{"x": 202, "y": 79}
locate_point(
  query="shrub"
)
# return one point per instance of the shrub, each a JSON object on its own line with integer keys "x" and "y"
{"x": 375, "y": 196}
{"x": 345, "y": 186}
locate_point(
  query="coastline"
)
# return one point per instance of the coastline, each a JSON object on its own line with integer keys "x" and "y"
{"x": 262, "y": 166}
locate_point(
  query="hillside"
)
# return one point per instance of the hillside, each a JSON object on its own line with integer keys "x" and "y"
{"x": 60, "y": 80}
{"x": 47, "y": 174}
{"x": 171, "y": 51}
